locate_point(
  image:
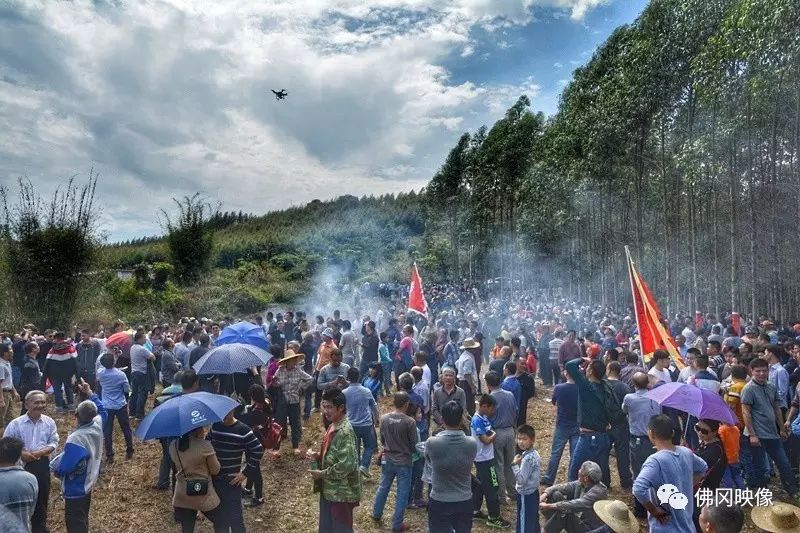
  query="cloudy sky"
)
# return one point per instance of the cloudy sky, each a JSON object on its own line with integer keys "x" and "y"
{"x": 168, "y": 97}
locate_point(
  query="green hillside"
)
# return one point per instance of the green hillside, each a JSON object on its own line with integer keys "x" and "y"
{"x": 680, "y": 137}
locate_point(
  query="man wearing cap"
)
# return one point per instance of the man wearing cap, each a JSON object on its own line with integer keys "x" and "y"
{"x": 466, "y": 373}
{"x": 570, "y": 506}
{"x": 323, "y": 358}
{"x": 293, "y": 381}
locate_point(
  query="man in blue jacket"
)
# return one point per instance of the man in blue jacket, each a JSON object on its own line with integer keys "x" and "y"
{"x": 78, "y": 466}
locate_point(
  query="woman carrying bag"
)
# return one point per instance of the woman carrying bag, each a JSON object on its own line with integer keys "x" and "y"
{"x": 197, "y": 462}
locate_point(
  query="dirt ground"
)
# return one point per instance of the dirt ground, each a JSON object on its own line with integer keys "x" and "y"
{"x": 124, "y": 501}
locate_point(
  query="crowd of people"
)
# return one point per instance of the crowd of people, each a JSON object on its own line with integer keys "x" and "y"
{"x": 455, "y": 438}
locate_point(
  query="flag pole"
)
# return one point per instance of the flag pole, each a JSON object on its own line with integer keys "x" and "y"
{"x": 633, "y": 296}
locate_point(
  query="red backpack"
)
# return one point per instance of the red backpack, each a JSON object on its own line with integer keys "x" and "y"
{"x": 264, "y": 426}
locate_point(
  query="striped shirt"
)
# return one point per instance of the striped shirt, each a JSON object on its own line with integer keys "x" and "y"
{"x": 230, "y": 442}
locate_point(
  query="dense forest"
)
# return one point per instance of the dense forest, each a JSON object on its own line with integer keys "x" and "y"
{"x": 679, "y": 137}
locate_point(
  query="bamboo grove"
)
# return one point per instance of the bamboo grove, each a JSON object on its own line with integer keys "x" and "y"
{"x": 680, "y": 138}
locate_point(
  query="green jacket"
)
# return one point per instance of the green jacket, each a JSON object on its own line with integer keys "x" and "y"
{"x": 342, "y": 481}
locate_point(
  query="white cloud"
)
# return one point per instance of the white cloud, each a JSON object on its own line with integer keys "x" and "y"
{"x": 558, "y": 65}
{"x": 167, "y": 97}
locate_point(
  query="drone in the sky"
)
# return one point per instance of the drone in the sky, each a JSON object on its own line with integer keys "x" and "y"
{"x": 279, "y": 95}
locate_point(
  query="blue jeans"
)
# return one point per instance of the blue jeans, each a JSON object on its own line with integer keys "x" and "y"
{"x": 561, "y": 436}
{"x": 138, "y": 393}
{"x": 732, "y": 478}
{"x": 365, "y": 436}
{"x": 389, "y": 471}
{"x": 58, "y": 383}
{"x": 592, "y": 446}
{"x": 756, "y": 458}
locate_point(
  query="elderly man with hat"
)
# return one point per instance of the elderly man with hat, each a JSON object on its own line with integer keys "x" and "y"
{"x": 616, "y": 516}
{"x": 467, "y": 374}
{"x": 293, "y": 381}
{"x": 570, "y": 506}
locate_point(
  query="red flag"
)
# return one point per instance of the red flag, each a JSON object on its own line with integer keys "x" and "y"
{"x": 416, "y": 299}
{"x": 652, "y": 333}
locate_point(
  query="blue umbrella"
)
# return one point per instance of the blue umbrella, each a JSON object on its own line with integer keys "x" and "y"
{"x": 231, "y": 359}
{"x": 243, "y": 333}
{"x": 182, "y": 414}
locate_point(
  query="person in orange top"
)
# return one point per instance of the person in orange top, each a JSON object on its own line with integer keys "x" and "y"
{"x": 323, "y": 358}
{"x": 733, "y": 396}
{"x": 324, "y": 352}
{"x": 499, "y": 343}
{"x": 730, "y": 435}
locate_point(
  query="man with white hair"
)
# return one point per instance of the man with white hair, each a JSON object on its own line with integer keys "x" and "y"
{"x": 569, "y": 506}
{"x": 78, "y": 466}
{"x": 39, "y": 437}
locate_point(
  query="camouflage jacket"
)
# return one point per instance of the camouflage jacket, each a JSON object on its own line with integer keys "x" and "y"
{"x": 341, "y": 482}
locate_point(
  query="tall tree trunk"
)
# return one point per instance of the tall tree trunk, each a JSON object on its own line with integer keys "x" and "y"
{"x": 667, "y": 222}
{"x": 715, "y": 214}
{"x": 733, "y": 191}
{"x": 752, "y": 206}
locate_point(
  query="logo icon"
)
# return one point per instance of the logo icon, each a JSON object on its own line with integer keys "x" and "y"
{"x": 197, "y": 417}
{"x": 668, "y": 494}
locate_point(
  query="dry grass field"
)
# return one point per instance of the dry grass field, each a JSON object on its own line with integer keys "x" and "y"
{"x": 125, "y": 502}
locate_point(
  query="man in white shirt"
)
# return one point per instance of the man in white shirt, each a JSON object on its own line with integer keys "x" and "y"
{"x": 139, "y": 358}
{"x": 659, "y": 370}
{"x": 39, "y": 437}
{"x": 466, "y": 373}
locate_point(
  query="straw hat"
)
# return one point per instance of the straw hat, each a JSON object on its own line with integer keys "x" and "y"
{"x": 778, "y": 518}
{"x": 469, "y": 343}
{"x": 616, "y": 515}
{"x": 289, "y": 355}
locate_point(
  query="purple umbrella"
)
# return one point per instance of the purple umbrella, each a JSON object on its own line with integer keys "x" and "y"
{"x": 699, "y": 402}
